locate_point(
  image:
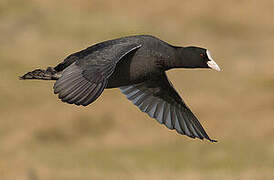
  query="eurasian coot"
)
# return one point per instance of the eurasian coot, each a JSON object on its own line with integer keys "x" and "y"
{"x": 136, "y": 65}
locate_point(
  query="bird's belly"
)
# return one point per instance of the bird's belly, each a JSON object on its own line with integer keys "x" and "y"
{"x": 124, "y": 77}
{"x": 131, "y": 71}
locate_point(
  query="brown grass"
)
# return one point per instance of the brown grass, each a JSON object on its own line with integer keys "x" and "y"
{"x": 43, "y": 138}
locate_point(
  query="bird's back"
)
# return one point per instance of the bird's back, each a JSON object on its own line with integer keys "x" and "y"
{"x": 149, "y": 43}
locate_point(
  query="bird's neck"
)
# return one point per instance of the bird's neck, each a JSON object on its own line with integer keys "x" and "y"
{"x": 176, "y": 61}
{"x": 183, "y": 59}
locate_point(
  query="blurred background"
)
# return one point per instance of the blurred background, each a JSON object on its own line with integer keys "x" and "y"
{"x": 43, "y": 138}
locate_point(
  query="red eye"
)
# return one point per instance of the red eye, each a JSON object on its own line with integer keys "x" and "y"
{"x": 202, "y": 55}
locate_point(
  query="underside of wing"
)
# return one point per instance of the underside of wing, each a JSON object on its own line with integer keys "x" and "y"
{"x": 160, "y": 101}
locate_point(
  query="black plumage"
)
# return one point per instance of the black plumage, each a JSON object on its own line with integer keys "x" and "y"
{"x": 136, "y": 65}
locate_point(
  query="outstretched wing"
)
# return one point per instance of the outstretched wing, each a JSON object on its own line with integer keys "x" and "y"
{"x": 84, "y": 80}
{"x": 160, "y": 100}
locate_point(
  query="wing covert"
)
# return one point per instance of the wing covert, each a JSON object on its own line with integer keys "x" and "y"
{"x": 83, "y": 81}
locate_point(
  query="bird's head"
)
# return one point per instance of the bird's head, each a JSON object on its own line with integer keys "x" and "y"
{"x": 196, "y": 57}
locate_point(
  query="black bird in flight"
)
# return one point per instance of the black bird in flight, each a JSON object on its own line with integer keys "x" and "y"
{"x": 136, "y": 65}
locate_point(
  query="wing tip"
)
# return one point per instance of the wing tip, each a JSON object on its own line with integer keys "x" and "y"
{"x": 194, "y": 137}
{"x": 213, "y": 140}
{"x": 209, "y": 139}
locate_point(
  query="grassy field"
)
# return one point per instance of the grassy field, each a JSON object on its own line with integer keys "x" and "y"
{"x": 42, "y": 138}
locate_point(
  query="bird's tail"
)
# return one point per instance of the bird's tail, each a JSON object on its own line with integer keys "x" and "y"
{"x": 48, "y": 74}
